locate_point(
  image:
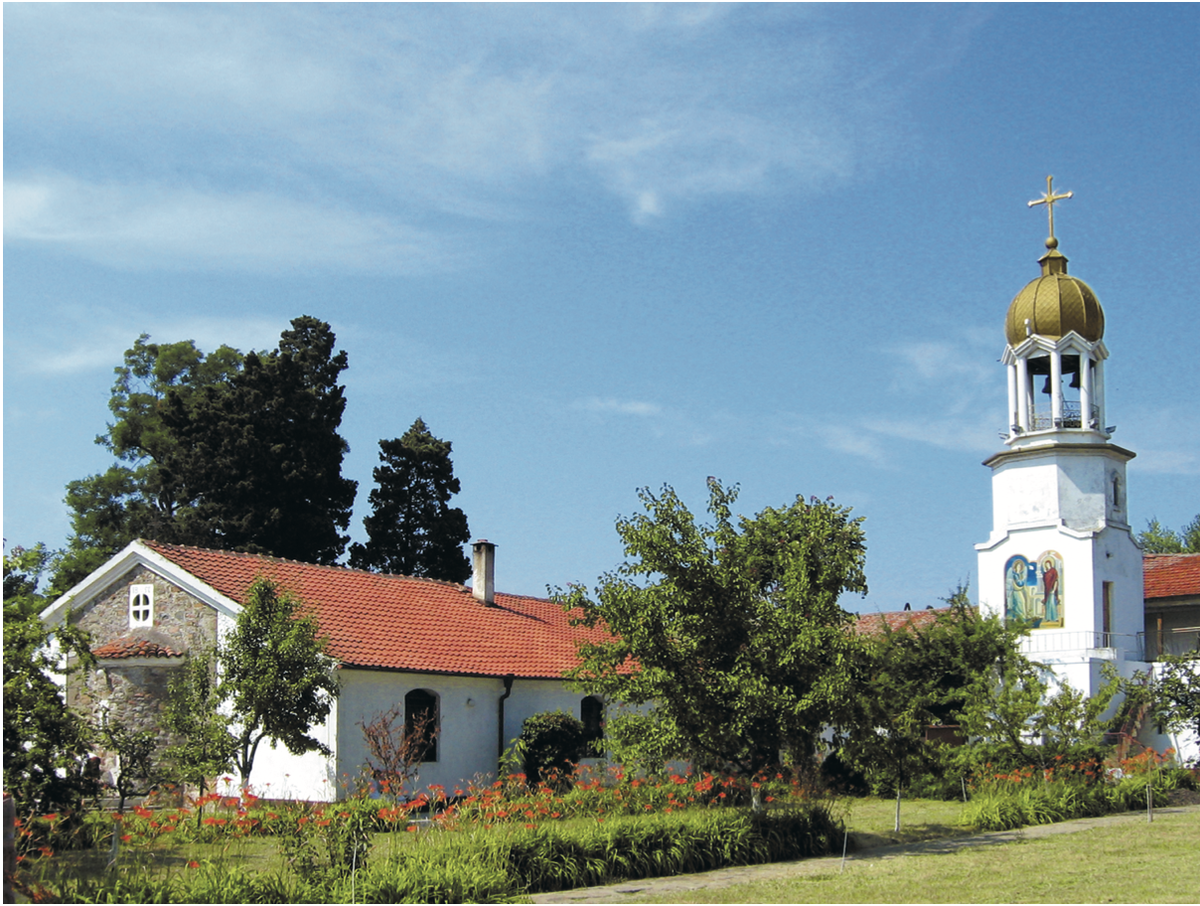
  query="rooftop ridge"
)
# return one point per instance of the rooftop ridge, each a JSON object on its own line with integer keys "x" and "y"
{"x": 162, "y": 545}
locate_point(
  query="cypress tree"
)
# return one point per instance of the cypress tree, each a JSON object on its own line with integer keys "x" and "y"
{"x": 412, "y": 529}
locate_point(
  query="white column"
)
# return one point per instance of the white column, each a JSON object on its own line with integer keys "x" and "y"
{"x": 1056, "y": 389}
{"x": 1085, "y": 391}
{"x": 1013, "y": 417}
{"x": 1023, "y": 393}
{"x": 1100, "y": 393}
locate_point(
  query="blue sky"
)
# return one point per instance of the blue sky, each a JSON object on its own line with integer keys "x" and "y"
{"x": 603, "y": 247}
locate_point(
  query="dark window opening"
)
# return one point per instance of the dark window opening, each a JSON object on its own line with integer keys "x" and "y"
{"x": 591, "y": 713}
{"x": 421, "y": 721}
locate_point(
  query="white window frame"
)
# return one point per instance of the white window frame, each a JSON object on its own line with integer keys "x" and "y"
{"x": 141, "y": 613}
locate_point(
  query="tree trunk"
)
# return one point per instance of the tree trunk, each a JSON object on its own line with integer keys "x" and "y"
{"x": 897, "y": 809}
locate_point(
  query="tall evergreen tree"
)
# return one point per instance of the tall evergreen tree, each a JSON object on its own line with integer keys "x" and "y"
{"x": 261, "y": 456}
{"x": 130, "y": 500}
{"x": 412, "y": 529}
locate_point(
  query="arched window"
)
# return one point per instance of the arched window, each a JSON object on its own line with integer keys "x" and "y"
{"x": 591, "y": 713}
{"x": 141, "y": 605}
{"x": 421, "y": 719}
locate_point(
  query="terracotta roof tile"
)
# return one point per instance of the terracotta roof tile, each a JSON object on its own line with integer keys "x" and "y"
{"x": 1171, "y": 575}
{"x": 401, "y": 622}
{"x": 134, "y": 646}
{"x": 872, "y": 623}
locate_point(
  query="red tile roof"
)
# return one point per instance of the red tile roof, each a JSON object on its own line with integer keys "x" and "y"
{"x": 404, "y": 623}
{"x": 134, "y": 646}
{"x": 1171, "y": 575}
{"x": 872, "y": 623}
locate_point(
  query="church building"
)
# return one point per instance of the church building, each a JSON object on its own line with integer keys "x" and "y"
{"x": 1062, "y": 556}
{"x": 473, "y": 661}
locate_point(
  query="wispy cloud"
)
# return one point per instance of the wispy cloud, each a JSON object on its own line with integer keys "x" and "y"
{"x": 611, "y": 406}
{"x": 90, "y": 340}
{"x": 361, "y": 136}
{"x": 1167, "y": 439}
{"x": 855, "y": 441}
{"x": 141, "y": 226}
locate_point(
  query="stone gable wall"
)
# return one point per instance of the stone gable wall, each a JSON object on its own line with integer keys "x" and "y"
{"x": 134, "y": 693}
{"x": 189, "y": 623}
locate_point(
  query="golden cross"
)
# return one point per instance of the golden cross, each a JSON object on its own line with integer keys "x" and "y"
{"x": 1048, "y": 200}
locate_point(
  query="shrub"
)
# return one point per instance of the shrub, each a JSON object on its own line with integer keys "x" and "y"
{"x": 551, "y": 743}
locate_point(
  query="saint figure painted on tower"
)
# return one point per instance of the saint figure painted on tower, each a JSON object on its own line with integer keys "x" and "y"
{"x": 1033, "y": 590}
{"x": 1052, "y": 602}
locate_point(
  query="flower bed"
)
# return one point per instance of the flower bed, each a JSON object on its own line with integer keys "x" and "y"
{"x": 479, "y": 843}
{"x": 1008, "y": 800}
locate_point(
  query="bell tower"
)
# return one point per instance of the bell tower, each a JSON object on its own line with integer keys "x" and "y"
{"x": 1061, "y": 556}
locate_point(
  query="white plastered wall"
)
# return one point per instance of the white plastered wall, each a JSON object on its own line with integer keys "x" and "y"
{"x": 468, "y": 711}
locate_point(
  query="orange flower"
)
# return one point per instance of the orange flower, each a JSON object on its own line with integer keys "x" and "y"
{"x": 193, "y": 864}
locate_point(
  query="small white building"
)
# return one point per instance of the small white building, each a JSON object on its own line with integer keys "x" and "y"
{"x": 479, "y": 662}
{"x": 1062, "y": 556}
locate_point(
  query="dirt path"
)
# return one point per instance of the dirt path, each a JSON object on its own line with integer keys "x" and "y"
{"x": 729, "y": 877}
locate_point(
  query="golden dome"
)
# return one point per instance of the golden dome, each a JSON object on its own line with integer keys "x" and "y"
{"x": 1054, "y": 304}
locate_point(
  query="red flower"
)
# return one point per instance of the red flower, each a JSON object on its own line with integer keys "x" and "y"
{"x": 193, "y": 864}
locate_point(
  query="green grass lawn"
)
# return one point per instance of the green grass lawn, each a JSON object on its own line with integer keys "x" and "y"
{"x": 871, "y": 822}
{"x": 1128, "y": 862}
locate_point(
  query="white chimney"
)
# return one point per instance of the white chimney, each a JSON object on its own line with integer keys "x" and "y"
{"x": 483, "y": 578}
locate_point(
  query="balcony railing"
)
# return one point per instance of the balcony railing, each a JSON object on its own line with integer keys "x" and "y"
{"x": 1072, "y": 417}
{"x": 1174, "y": 642}
{"x": 1057, "y": 642}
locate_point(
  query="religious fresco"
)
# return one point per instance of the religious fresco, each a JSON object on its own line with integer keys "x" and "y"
{"x": 1033, "y": 590}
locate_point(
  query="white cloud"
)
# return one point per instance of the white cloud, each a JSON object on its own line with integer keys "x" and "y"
{"x": 96, "y": 341}
{"x": 344, "y": 136}
{"x": 855, "y": 441}
{"x": 611, "y": 406}
{"x": 148, "y": 227}
{"x": 973, "y": 436}
{"x": 1169, "y": 462}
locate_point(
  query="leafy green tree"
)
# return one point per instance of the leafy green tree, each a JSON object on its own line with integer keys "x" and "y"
{"x": 276, "y": 675}
{"x": 731, "y": 634}
{"x": 23, "y": 572}
{"x": 260, "y": 455}
{"x": 130, "y": 499}
{"x": 921, "y": 678}
{"x": 1158, "y": 539}
{"x": 1174, "y": 693}
{"x": 138, "y": 770}
{"x": 412, "y": 529}
{"x": 1015, "y": 721}
{"x": 46, "y": 745}
{"x": 203, "y": 747}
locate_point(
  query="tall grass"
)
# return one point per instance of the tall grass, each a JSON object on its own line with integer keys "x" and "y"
{"x": 1030, "y": 796}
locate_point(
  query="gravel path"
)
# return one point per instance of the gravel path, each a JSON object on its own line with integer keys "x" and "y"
{"x": 728, "y": 877}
